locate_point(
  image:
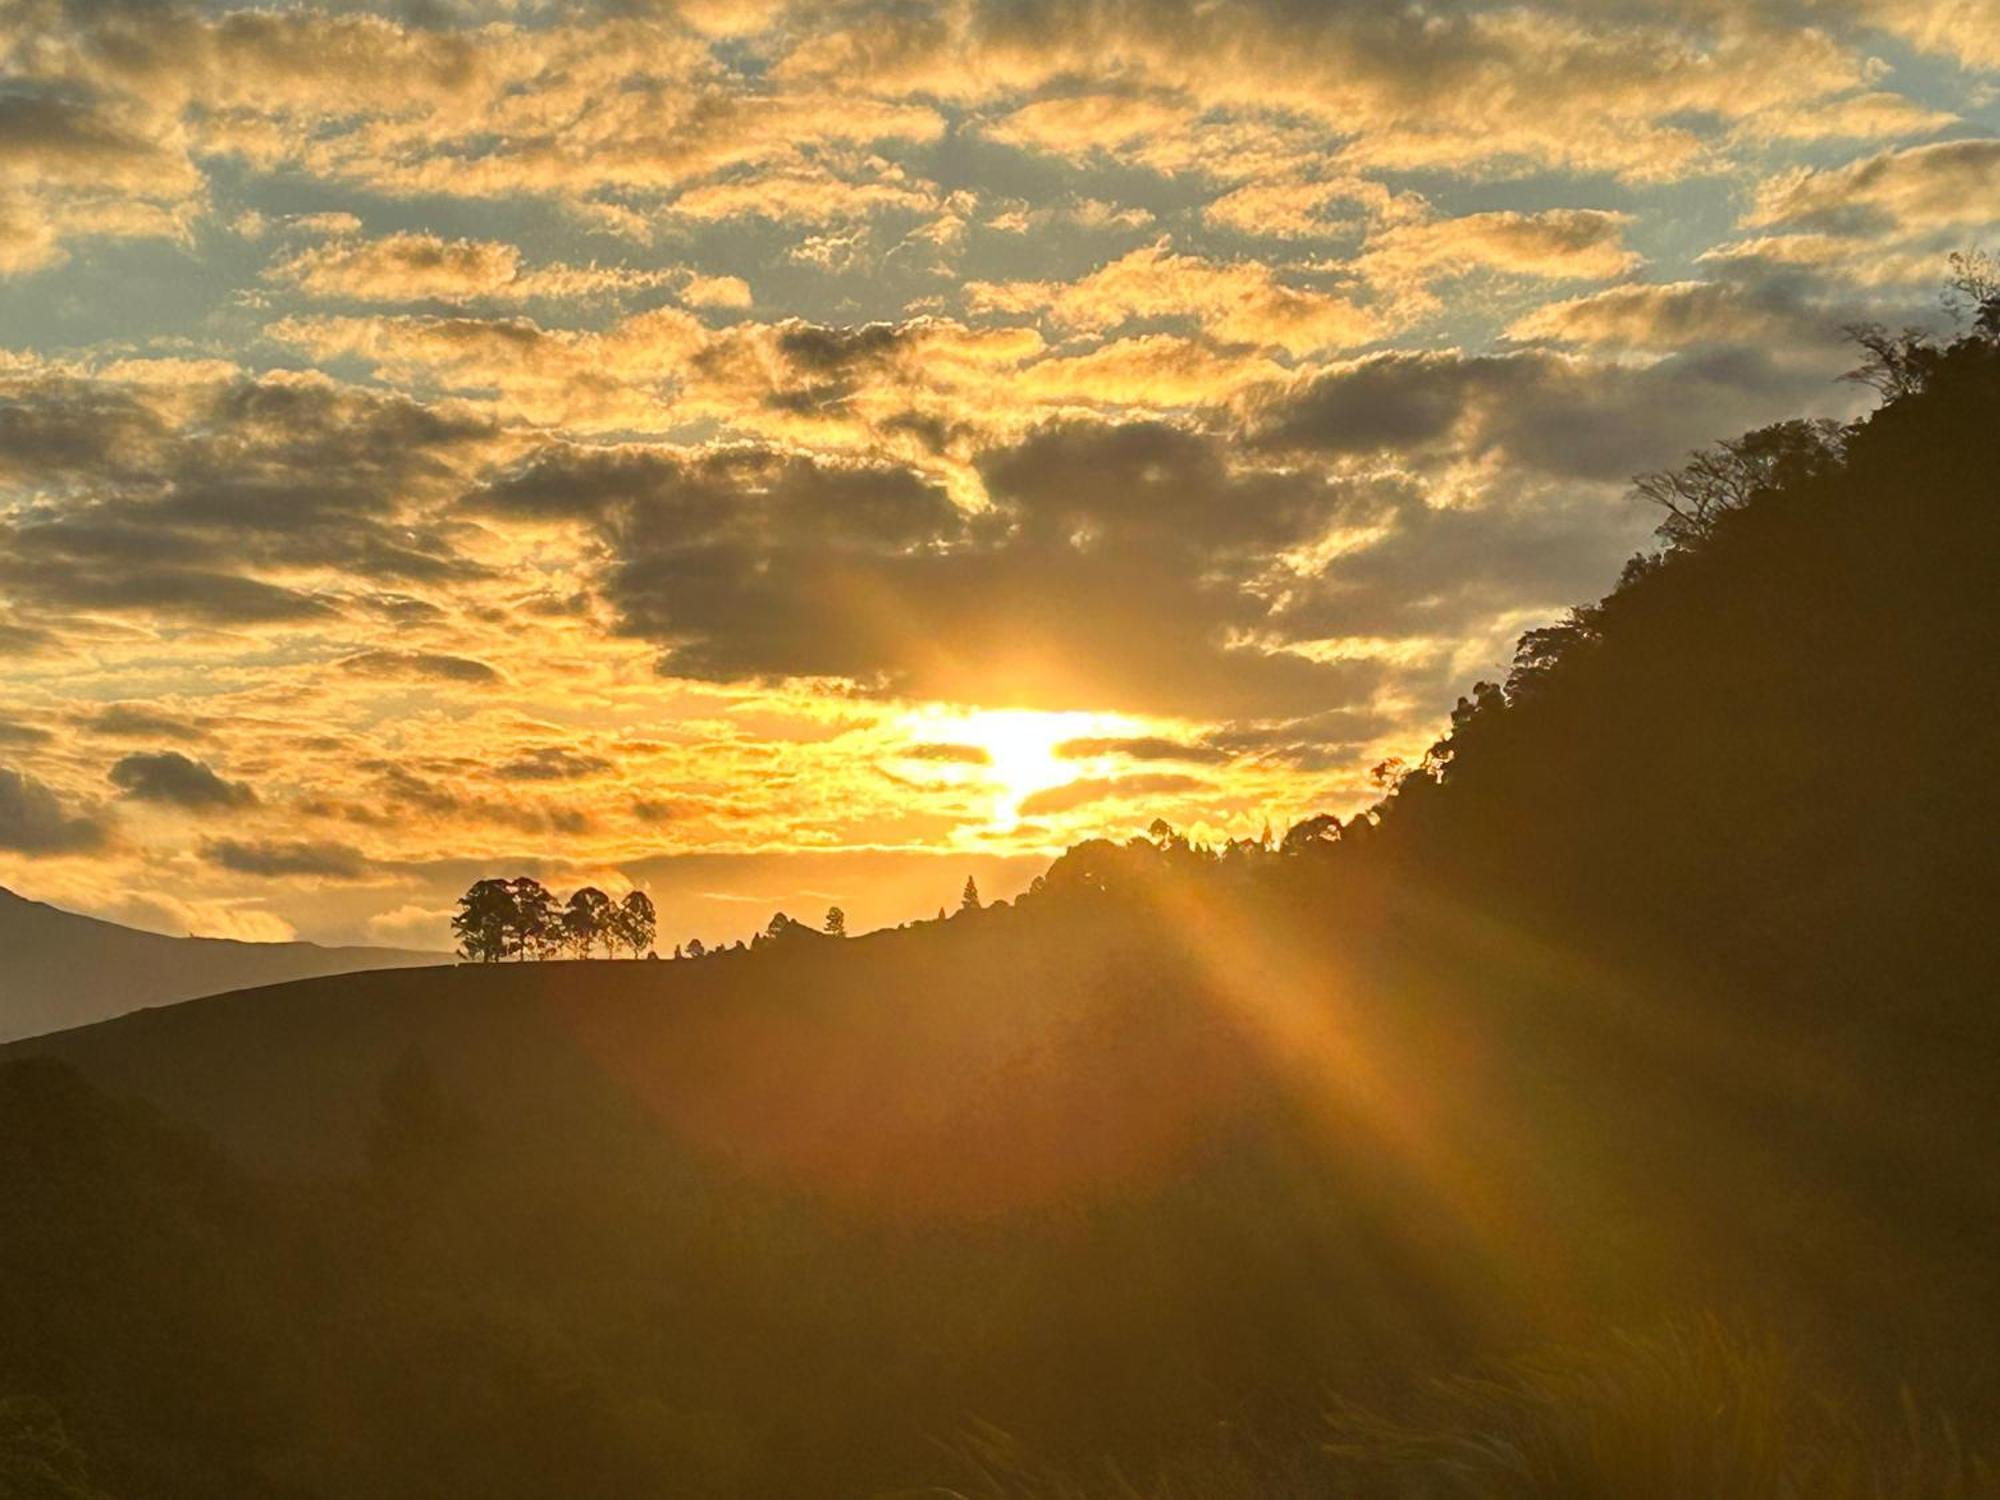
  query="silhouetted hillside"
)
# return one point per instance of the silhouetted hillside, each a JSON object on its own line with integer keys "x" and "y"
{"x": 58, "y": 969}
{"x": 1658, "y": 998}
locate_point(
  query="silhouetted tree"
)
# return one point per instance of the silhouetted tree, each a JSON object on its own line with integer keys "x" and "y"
{"x": 588, "y": 919}
{"x": 485, "y": 922}
{"x": 695, "y": 948}
{"x": 1898, "y": 364}
{"x": 1094, "y": 866}
{"x": 968, "y": 899}
{"x": 537, "y": 930}
{"x": 836, "y": 922}
{"x": 1310, "y": 834}
{"x": 636, "y": 922}
{"x": 1728, "y": 476}
{"x": 1974, "y": 292}
{"x": 1242, "y": 852}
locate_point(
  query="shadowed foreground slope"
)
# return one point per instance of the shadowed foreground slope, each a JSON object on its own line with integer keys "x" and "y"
{"x": 1650, "y": 1021}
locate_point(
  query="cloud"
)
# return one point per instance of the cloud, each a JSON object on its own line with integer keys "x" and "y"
{"x": 231, "y": 502}
{"x": 225, "y": 917}
{"x": 1142, "y": 747}
{"x": 1237, "y": 302}
{"x": 29, "y": 238}
{"x": 1920, "y": 187}
{"x": 1566, "y": 244}
{"x": 1967, "y": 30}
{"x": 418, "y": 267}
{"x": 168, "y": 777}
{"x": 628, "y": 116}
{"x": 412, "y": 925}
{"x": 917, "y": 389}
{"x": 402, "y": 268}
{"x": 808, "y": 193}
{"x": 1457, "y": 86}
{"x": 552, "y": 763}
{"x": 1297, "y": 208}
{"x": 280, "y": 859}
{"x": 121, "y": 103}
{"x": 1680, "y": 315}
{"x": 432, "y": 665}
{"x": 1437, "y": 592}
{"x": 26, "y": 640}
{"x": 1081, "y": 125}
{"x": 716, "y": 291}
{"x": 957, "y": 755}
{"x": 77, "y": 160}
{"x": 1331, "y": 740}
{"x": 33, "y": 822}
{"x": 127, "y": 720}
{"x": 1854, "y": 261}
{"x": 1155, "y": 370}
{"x": 615, "y": 378}
{"x": 1551, "y": 414}
{"x": 1875, "y": 115}
{"x": 1115, "y": 566}
{"x": 1075, "y": 794}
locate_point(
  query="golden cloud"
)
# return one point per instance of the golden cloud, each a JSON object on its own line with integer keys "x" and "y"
{"x": 1238, "y": 302}
{"x": 415, "y": 267}
{"x": 1918, "y": 187}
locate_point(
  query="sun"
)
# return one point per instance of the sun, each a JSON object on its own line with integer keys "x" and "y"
{"x": 1013, "y": 752}
{"x": 1022, "y": 746}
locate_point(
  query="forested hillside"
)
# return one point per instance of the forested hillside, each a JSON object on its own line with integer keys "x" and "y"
{"x": 1649, "y": 1019}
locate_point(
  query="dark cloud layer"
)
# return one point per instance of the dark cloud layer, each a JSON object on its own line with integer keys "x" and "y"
{"x": 1143, "y": 747}
{"x": 278, "y": 859}
{"x": 130, "y": 721}
{"x": 1111, "y": 570}
{"x": 1556, "y": 415}
{"x": 552, "y": 763}
{"x": 33, "y": 821}
{"x": 216, "y": 517}
{"x": 957, "y": 755}
{"x": 1142, "y": 564}
{"x": 1074, "y": 794}
{"x": 417, "y": 664}
{"x": 167, "y": 776}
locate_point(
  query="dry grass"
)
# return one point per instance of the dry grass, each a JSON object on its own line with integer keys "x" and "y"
{"x": 1689, "y": 1413}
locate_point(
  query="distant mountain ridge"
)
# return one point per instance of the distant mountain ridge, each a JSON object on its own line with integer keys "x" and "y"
{"x": 59, "y": 969}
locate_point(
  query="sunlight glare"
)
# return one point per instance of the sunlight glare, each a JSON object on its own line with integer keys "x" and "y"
{"x": 1022, "y": 748}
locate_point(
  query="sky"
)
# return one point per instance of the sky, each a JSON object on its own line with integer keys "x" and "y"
{"x": 779, "y": 455}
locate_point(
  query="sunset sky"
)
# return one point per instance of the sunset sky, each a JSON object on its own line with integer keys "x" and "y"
{"x": 782, "y": 455}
